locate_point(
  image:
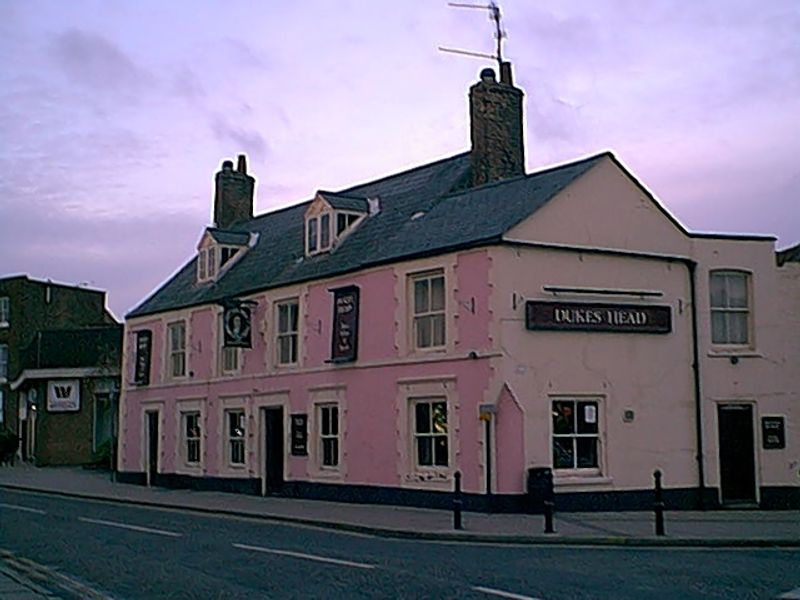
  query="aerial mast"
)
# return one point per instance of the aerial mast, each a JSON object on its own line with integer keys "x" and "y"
{"x": 499, "y": 32}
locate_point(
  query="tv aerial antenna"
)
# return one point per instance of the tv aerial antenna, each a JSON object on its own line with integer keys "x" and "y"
{"x": 499, "y": 32}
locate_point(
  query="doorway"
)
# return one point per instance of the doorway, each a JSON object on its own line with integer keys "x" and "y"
{"x": 152, "y": 446}
{"x": 273, "y": 450}
{"x": 737, "y": 470}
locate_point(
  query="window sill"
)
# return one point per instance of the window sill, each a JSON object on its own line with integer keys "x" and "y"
{"x": 579, "y": 480}
{"x": 729, "y": 351}
{"x": 327, "y": 474}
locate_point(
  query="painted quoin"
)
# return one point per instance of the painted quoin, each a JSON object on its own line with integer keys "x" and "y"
{"x": 466, "y": 316}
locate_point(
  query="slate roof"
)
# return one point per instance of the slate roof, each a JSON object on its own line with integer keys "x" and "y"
{"x": 226, "y": 236}
{"x": 443, "y": 221}
{"x": 342, "y": 202}
{"x": 75, "y": 348}
{"x": 788, "y": 255}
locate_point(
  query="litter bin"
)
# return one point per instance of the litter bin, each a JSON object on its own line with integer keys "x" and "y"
{"x": 540, "y": 488}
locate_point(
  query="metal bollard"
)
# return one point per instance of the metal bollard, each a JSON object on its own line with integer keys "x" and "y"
{"x": 549, "y": 506}
{"x": 658, "y": 505}
{"x": 457, "y": 502}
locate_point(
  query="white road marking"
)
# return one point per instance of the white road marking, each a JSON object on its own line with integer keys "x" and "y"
{"x": 334, "y": 561}
{"x": 792, "y": 595}
{"x": 131, "y": 527}
{"x": 25, "y": 508}
{"x": 503, "y": 594}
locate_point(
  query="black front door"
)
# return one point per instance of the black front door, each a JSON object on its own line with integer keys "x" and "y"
{"x": 152, "y": 447}
{"x": 273, "y": 449}
{"x": 736, "y": 462}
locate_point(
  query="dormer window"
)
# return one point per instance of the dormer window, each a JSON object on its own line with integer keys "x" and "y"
{"x": 226, "y": 253}
{"x": 330, "y": 218}
{"x": 318, "y": 234}
{"x": 218, "y": 250}
{"x": 206, "y": 264}
{"x": 345, "y": 221}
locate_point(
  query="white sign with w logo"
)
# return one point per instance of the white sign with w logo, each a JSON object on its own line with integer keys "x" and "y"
{"x": 63, "y": 395}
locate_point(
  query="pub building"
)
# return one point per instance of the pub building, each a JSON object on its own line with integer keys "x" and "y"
{"x": 469, "y": 316}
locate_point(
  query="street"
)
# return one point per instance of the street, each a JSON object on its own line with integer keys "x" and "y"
{"x": 134, "y": 552}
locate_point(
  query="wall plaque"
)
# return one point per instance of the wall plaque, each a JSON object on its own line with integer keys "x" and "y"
{"x": 63, "y": 395}
{"x": 594, "y": 316}
{"x": 344, "y": 345}
{"x": 300, "y": 435}
{"x": 773, "y": 433}
{"x": 144, "y": 344}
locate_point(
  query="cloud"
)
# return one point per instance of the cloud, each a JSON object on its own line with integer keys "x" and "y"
{"x": 249, "y": 141}
{"x": 93, "y": 61}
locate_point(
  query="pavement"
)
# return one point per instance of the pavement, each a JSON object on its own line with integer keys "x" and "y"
{"x": 722, "y": 528}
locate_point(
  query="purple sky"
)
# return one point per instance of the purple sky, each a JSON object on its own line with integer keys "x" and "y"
{"x": 114, "y": 116}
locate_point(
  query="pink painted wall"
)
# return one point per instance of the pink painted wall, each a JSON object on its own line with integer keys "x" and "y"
{"x": 472, "y": 295}
{"x": 510, "y": 433}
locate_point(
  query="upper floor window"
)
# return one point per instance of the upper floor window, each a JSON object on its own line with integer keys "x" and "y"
{"x": 428, "y": 302}
{"x": 318, "y": 234}
{"x": 287, "y": 318}
{"x": 228, "y": 355}
{"x": 3, "y": 361}
{"x": 176, "y": 334}
{"x": 5, "y": 311}
{"x": 206, "y": 264}
{"x": 730, "y": 311}
{"x": 328, "y": 419}
{"x": 576, "y": 434}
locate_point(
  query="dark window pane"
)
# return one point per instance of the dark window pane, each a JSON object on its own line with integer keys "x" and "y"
{"x": 440, "y": 451}
{"x": 718, "y": 296}
{"x": 326, "y": 421}
{"x": 587, "y": 417}
{"x": 563, "y": 417}
{"x": 324, "y": 231}
{"x": 563, "y": 453}
{"x": 719, "y": 327}
{"x": 424, "y": 452}
{"x": 737, "y": 290}
{"x": 423, "y": 325}
{"x": 437, "y": 322}
{"x": 437, "y": 293}
{"x": 421, "y": 303}
{"x": 334, "y": 420}
{"x": 341, "y": 223}
{"x": 737, "y": 327}
{"x": 587, "y": 453}
{"x": 423, "y": 417}
{"x": 312, "y": 235}
{"x": 294, "y": 310}
{"x": 283, "y": 318}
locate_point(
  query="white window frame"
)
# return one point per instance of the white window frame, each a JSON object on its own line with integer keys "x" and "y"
{"x": 230, "y": 359}
{"x": 292, "y": 336}
{"x": 187, "y": 440}
{"x": 4, "y": 362}
{"x": 726, "y": 310}
{"x": 575, "y": 435}
{"x": 314, "y": 241}
{"x": 207, "y": 264}
{"x": 173, "y": 353}
{"x": 235, "y": 441}
{"x": 328, "y": 435}
{"x": 5, "y": 311}
{"x": 432, "y": 435}
{"x": 426, "y": 318}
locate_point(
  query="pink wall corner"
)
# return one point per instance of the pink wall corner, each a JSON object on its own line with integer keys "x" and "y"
{"x": 168, "y": 439}
{"x": 472, "y": 297}
{"x": 472, "y": 380}
{"x": 253, "y": 359}
{"x": 510, "y": 445}
{"x": 201, "y": 340}
{"x": 319, "y": 308}
{"x": 131, "y": 434}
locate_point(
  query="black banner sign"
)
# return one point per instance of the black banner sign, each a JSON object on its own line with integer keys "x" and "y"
{"x": 236, "y": 324}
{"x": 300, "y": 435}
{"x": 773, "y": 433}
{"x": 591, "y": 316}
{"x": 344, "y": 345}
{"x": 144, "y": 344}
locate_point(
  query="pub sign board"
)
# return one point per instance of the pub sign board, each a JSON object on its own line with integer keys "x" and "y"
{"x": 773, "y": 433}
{"x": 299, "y": 435}
{"x": 63, "y": 395}
{"x": 144, "y": 345}
{"x": 344, "y": 345}
{"x": 236, "y": 320}
{"x": 551, "y": 315}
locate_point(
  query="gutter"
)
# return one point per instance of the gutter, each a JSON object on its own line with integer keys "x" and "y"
{"x": 62, "y": 373}
{"x": 691, "y": 267}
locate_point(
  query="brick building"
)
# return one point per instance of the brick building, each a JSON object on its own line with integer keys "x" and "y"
{"x": 46, "y": 348}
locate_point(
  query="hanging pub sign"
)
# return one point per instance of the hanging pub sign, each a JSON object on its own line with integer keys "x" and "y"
{"x": 773, "y": 434}
{"x": 63, "y": 395}
{"x": 144, "y": 344}
{"x": 236, "y": 320}
{"x": 299, "y": 435}
{"x": 591, "y": 316}
{"x": 344, "y": 345}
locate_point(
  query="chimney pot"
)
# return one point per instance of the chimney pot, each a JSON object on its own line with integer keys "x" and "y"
{"x": 488, "y": 75}
{"x": 505, "y": 73}
{"x": 227, "y": 165}
{"x": 241, "y": 166}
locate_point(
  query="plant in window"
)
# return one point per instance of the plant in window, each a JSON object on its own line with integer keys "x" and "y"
{"x": 236, "y": 437}
{"x": 430, "y": 433}
{"x": 575, "y": 434}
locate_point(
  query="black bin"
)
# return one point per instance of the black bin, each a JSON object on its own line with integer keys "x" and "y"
{"x": 540, "y": 488}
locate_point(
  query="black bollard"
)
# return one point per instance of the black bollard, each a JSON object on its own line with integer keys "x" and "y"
{"x": 457, "y": 502}
{"x": 549, "y": 506}
{"x": 658, "y": 505}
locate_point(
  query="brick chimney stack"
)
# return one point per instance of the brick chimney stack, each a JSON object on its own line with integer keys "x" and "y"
{"x": 233, "y": 197}
{"x": 498, "y": 150}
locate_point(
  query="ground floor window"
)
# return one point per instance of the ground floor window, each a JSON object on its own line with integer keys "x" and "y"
{"x": 328, "y": 415}
{"x": 576, "y": 437}
{"x": 191, "y": 437}
{"x": 431, "y": 443}
{"x": 236, "y": 437}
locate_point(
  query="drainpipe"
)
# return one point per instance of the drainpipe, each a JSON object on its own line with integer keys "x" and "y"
{"x": 691, "y": 266}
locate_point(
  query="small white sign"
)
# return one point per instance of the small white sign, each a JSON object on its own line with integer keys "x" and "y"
{"x": 63, "y": 395}
{"x": 590, "y": 414}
